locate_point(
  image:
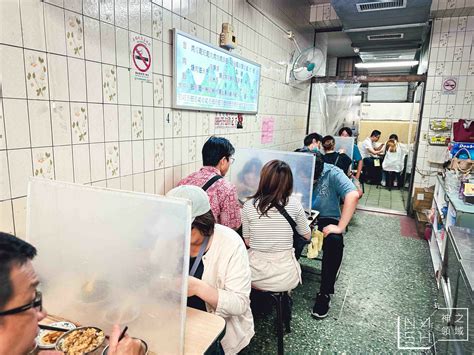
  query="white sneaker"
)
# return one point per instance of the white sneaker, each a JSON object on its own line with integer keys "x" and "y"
{"x": 382, "y": 183}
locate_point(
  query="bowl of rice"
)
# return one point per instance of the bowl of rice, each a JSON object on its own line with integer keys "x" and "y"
{"x": 82, "y": 340}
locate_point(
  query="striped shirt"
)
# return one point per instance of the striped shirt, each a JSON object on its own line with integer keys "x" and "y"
{"x": 272, "y": 232}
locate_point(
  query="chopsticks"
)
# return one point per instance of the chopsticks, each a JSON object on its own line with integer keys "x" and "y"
{"x": 49, "y": 327}
{"x": 123, "y": 333}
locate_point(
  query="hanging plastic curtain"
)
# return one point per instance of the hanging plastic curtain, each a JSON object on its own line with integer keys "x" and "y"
{"x": 330, "y": 104}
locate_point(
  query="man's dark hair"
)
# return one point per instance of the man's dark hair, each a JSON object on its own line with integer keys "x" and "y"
{"x": 13, "y": 251}
{"x": 215, "y": 149}
{"x": 205, "y": 223}
{"x": 375, "y": 133}
{"x": 347, "y": 130}
{"x": 309, "y": 138}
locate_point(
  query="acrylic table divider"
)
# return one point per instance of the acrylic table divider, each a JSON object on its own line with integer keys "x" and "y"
{"x": 245, "y": 172}
{"x": 109, "y": 256}
{"x": 346, "y": 144}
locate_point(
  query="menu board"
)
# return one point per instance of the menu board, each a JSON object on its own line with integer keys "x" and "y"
{"x": 209, "y": 78}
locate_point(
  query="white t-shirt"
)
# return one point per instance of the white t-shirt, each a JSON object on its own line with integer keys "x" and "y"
{"x": 366, "y": 144}
{"x": 273, "y": 232}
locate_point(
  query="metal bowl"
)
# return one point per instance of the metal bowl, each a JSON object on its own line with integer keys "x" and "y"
{"x": 62, "y": 338}
{"x": 144, "y": 346}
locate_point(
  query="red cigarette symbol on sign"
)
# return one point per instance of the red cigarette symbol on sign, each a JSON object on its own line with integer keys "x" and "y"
{"x": 449, "y": 85}
{"x": 141, "y": 57}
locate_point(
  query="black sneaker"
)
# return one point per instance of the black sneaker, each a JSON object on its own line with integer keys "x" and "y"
{"x": 321, "y": 306}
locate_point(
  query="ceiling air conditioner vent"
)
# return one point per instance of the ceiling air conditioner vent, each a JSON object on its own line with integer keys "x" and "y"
{"x": 381, "y": 5}
{"x": 384, "y": 36}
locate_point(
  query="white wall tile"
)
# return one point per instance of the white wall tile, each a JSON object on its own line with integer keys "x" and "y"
{"x": 13, "y": 76}
{"x": 82, "y": 169}
{"x": 11, "y": 24}
{"x": 123, "y": 86}
{"x": 16, "y": 123}
{"x": 73, "y": 5}
{"x": 6, "y": 217}
{"x": 32, "y": 22}
{"x": 55, "y": 32}
{"x": 121, "y": 13}
{"x": 136, "y": 91}
{"x": 160, "y": 182}
{"x": 167, "y": 59}
{"x": 139, "y": 183}
{"x": 145, "y": 18}
{"x": 148, "y": 123}
{"x": 58, "y": 77}
{"x": 98, "y": 161}
{"x": 91, "y": 8}
{"x": 147, "y": 94}
{"x": 150, "y": 182}
{"x": 20, "y": 170}
{"x": 92, "y": 39}
{"x": 106, "y": 9}
{"x": 19, "y": 214}
{"x": 63, "y": 163}
{"x": 125, "y": 158}
{"x": 122, "y": 47}
{"x": 134, "y": 10}
{"x": 96, "y": 123}
{"x": 107, "y": 35}
{"x": 40, "y": 123}
{"x": 149, "y": 155}
{"x": 61, "y": 123}
{"x": 77, "y": 79}
{"x": 157, "y": 56}
{"x": 111, "y": 123}
{"x": 125, "y": 123}
{"x": 4, "y": 177}
{"x": 94, "y": 82}
{"x": 137, "y": 159}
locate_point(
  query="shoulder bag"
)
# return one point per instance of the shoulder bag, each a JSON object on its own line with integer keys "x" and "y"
{"x": 299, "y": 241}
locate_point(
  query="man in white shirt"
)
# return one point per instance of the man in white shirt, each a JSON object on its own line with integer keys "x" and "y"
{"x": 368, "y": 145}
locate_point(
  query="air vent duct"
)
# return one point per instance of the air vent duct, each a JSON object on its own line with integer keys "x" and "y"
{"x": 385, "y": 36}
{"x": 381, "y": 5}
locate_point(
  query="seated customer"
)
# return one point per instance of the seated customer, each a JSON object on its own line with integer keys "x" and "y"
{"x": 341, "y": 160}
{"x": 217, "y": 157}
{"x": 270, "y": 237}
{"x": 369, "y": 149}
{"x": 21, "y": 303}
{"x": 392, "y": 163}
{"x": 356, "y": 157}
{"x": 219, "y": 273}
{"x": 312, "y": 143}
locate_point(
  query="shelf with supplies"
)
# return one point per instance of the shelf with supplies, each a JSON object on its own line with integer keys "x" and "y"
{"x": 440, "y": 131}
{"x": 458, "y": 214}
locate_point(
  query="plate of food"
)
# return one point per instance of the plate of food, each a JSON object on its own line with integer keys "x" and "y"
{"x": 46, "y": 339}
{"x": 82, "y": 340}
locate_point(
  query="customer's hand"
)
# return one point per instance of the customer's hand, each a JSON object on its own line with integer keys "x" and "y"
{"x": 332, "y": 229}
{"x": 126, "y": 346}
{"x": 193, "y": 286}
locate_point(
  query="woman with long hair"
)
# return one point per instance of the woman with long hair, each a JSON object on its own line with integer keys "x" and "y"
{"x": 267, "y": 232}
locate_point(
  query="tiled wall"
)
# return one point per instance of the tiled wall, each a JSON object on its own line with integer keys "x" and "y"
{"x": 71, "y": 111}
{"x": 451, "y": 53}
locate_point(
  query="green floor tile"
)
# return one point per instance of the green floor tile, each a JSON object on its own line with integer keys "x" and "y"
{"x": 383, "y": 276}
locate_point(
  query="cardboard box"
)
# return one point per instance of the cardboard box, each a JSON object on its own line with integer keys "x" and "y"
{"x": 423, "y": 198}
{"x": 421, "y": 223}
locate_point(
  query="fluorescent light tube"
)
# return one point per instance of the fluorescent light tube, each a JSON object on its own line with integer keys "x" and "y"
{"x": 406, "y": 63}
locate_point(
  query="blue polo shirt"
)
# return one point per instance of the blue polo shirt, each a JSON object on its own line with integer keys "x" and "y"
{"x": 332, "y": 186}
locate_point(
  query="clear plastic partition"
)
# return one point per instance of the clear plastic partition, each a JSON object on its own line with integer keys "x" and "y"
{"x": 107, "y": 256}
{"x": 345, "y": 145}
{"x": 245, "y": 172}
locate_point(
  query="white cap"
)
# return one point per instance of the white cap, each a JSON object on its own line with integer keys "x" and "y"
{"x": 197, "y": 196}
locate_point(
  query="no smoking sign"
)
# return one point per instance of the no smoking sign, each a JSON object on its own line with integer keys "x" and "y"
{"x": 140, "y": 49}
{"x": 450, "y": 85}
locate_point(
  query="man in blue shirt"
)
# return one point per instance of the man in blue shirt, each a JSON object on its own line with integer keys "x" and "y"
{"x": 331, "y": 186}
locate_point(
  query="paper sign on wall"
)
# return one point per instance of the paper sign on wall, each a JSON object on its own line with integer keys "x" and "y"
{"x": 141, "y": 61}
{"x": 225, "y": 120}
{"x": 268, "y": 124}
{"x": 450, "y": 85}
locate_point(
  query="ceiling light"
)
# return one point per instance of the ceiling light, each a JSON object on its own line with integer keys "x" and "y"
{"x": 406, "y": 63}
